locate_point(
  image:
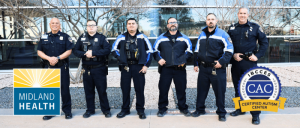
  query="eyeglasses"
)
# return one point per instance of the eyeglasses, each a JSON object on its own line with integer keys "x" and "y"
{"x": 173, "y": 23}
{"x": 91, "y": 25}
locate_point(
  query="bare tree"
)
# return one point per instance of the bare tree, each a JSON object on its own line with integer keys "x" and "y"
{"x": 30, "y": 20}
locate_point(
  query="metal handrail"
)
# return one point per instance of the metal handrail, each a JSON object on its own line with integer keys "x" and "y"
{"x": 154, "y": 6}
{"x": 114, "y": 38}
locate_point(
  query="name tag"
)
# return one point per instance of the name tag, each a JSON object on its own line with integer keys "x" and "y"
{"x": 44, "y": 36}
{"x": 61, "y": 38}
{"x": 45, "y": 40}
{"x": 82, "y": 39}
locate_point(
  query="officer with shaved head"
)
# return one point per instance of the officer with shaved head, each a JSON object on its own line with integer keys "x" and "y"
{"x": 54, "y": 48}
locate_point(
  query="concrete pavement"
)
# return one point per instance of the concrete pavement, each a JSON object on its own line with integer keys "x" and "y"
{"x": 288, "y": 118}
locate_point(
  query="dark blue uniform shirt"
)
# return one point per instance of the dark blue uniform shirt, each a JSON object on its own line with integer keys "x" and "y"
{"x": 143, "y": 44}
{"x": 99, "y": 46}
{"x": 175, "y": 50}
{"x": 244, "y": 38}
{"x": 55, "y": 44}
{"x": 211, "y": 46}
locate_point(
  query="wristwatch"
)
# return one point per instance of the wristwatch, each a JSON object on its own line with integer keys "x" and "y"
{"x": 58, "y": 57}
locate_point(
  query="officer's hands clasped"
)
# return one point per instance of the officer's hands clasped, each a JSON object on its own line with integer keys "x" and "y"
{"x": 161, "y": 62}
{"x": 88, "y": 54}
{"x": 53, "y": 60}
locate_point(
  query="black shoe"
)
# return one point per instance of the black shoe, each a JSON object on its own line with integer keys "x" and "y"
{"x": 47, "y": 117}
{"x": 107, "y": 114}
{"x": 87, "y": 114}
{"x": 122, "y": 114}
{"x": 68, "y": 116}
{"x": 161, "y": 113}
{"x": 186, "y": 113}
{"x": 142, "y": 115}
{"x": 222, "y": 118}
{"x": 197, "y": 113}
{"x": 237, "y": 112}
{"x": 255, "y": 120}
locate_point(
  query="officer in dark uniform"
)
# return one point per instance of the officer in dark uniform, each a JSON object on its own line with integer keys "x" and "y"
{"x": 172, "y": 49}
{"x": 93, "y": 48}
{"x": 212, "y": 54}
{"x": 245, "y": 36}
{"x": 54, "y": 48}
{"x": 134, "y": 52}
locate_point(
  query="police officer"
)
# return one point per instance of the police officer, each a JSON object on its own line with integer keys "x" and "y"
{"x": 172, "y": 50}
{"x": 93, "y": 48}
{"x": 54, "y": 48}
{"x": 134, "y": 52}
{"x": 212, "y": 53}
{"x": 245, "y": 36}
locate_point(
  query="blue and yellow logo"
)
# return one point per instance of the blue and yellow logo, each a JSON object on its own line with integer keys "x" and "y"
{"x": 259, "y": 89}
{"x": 36, "y": 91}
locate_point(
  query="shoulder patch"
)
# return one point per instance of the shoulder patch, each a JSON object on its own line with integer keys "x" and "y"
{"x": 260, "y": 29}
{"x": 229, "y": 39}
{"x": 106, "y": 40}
{"x": 70, "y": 39}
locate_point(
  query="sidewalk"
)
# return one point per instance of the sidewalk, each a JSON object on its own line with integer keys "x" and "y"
{"x": 288, "y": 118}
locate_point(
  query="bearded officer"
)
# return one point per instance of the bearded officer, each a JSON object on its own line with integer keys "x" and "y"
{"x": 212, "y": 54}
{"x": 172, "y": 50}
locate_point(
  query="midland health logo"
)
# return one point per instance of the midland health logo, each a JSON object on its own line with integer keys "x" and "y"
{"x": 36, "y": 91}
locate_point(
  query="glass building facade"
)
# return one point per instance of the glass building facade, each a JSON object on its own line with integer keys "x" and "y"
{"x": 280, "y": 22}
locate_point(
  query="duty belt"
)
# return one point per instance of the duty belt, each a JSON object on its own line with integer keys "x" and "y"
{"x": 89, "y": 67}
{"x": 132, "y": 62}
{"x": 204, "y": 64}
{"x": 93, "y": 59}
{"x": 92, "y": 66}
{"x": 179, "y": 68}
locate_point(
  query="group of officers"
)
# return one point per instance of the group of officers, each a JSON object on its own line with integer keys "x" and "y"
{"x": 214, "y": 50}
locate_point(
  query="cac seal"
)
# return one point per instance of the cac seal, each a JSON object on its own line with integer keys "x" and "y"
{"x": 259, "y": 83}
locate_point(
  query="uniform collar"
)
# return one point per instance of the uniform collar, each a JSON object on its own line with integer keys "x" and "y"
{"x": 248, "y": 23}
{"x": 92, "y": 36}
{"x": 206, "y": 30}
{"x": 178, "y": 34}
{"x": 57, "y": 34}
{"x": 126, "y": 34}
